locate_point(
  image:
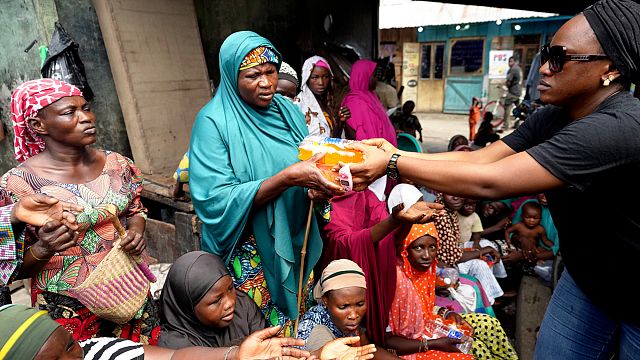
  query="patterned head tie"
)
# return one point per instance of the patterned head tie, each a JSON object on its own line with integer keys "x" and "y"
{"x": 258, "y": 56}
{"x": 26, "y": 101}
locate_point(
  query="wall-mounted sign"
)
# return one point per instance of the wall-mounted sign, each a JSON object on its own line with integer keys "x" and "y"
{"x": 499, "y": 63}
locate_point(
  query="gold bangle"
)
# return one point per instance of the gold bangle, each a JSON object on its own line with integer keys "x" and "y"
{"x": 34, "y": 255}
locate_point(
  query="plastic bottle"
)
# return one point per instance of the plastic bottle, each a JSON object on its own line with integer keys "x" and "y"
{"x": 439, "y": 329}
{"x": 335, "y": 150}
{"x": 448, "y": 276}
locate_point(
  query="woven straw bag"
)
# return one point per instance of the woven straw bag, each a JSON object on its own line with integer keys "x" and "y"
{"x": 118, "y": 287}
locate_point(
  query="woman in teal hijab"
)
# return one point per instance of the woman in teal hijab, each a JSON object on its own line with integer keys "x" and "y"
{"x": 247, "y": 184}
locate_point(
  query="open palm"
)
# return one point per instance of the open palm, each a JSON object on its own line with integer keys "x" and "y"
{"x": 262, "y": 345}
{"x": 419, "y": 213}
{"x": 342, "y": 349}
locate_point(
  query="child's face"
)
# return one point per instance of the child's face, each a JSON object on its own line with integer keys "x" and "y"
{"x": 492, "y": 208}
{"x": 422, "y": 252}
{"x": 531, "y": 217}
{"x": 217, "y": 305}
{"x": 469, "y": 207}
{"x": 453, "y": 202}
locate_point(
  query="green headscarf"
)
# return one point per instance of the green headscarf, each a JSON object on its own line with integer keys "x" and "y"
{"x": 24, "y": 331}
{"x": 234, "y": 148}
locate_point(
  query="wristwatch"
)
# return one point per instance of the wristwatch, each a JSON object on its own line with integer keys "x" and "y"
{"x": 392, "y": 167}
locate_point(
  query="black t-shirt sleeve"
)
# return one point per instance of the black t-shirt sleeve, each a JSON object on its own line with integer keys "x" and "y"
{"x": 588, "y": 147}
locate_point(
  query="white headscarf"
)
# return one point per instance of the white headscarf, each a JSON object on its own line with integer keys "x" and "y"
{"x": 403, "y": 194}
{"x": 307, "y": 102}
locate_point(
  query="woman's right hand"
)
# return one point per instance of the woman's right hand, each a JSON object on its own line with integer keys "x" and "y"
{"x": 306, "y": 174}
{"x": 53, "y": 237}
{"x": 445, "y": 344}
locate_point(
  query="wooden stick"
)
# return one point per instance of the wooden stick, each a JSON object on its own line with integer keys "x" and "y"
{"x": 304, "y": 254}
{"x": 111, "y": 209}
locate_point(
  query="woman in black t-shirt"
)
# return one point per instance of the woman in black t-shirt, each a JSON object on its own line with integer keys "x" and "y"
{"x": 584, "y": 146}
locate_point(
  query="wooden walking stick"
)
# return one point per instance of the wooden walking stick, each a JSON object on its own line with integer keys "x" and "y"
{"x": 304, "y": 254}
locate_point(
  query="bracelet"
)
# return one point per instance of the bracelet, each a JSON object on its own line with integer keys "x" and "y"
{"x": 424, "y": 346}
{"x": 34, "y": 255}
{"x": 446, "y": 313}
{"x": 226, "y": 354}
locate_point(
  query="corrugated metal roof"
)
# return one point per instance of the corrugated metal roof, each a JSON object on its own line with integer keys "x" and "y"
{"x": 407, "y": 13}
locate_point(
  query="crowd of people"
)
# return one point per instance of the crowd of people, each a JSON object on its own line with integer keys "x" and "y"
{"x": 294, "y": 266}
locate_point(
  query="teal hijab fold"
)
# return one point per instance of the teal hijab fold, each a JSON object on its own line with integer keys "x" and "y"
{"x": 234, "y": 148}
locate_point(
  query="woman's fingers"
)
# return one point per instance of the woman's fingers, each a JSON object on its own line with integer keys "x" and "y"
{"x": 286, "y": 342}
{"x": 349, "y": 340}
{"x": 270, "y": 332}
{"x": 295, "y": 353}
{"x": 67, "y": 206}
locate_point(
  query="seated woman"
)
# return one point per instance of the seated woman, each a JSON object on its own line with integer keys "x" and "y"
{"x": 360, "y": 229}
{"x": 342, "y": 306}
{"x": 54, "y": 133}
{"x": 31, "y": 334}
{"x": 414, "y": 306}
{"x": 467, "y": 261}
{"x": 200, "y": 307}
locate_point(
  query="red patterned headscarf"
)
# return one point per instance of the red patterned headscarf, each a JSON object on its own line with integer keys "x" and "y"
{"x": 423, "y": 282}
{"x": 26, "y": 101}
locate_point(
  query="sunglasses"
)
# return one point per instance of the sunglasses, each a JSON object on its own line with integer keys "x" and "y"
{"x": 557, "y": 55}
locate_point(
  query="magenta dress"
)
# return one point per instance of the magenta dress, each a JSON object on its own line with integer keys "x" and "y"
{"x": 348, "y": 236}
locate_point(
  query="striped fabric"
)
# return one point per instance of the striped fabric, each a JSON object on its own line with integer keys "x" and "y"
{"x": 112, "y": 349}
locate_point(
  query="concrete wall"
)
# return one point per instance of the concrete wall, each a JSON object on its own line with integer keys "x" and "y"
{"x": 21, "y": 24}
{"x": 80, "y": 20}
{"x": 23, "y": 21}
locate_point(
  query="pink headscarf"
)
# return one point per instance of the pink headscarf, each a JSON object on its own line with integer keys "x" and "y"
{"x": 26, "y": 101}
{"x": 368, "y": 117}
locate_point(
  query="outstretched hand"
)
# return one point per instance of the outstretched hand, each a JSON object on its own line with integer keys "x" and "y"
{"x": 342, "y": 349}
{"x": 419, "y": 213}
{"x": 262, "y": 345}
{"x": 38, "y": 209}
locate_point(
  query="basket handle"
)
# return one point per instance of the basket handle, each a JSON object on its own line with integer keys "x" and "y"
{"x": 113, "y": 211}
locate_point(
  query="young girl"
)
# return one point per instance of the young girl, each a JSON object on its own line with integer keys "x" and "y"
{"x": 200, "y": 306}
{"x": 414, "y": 306}
{"x": 475, "y": 114}
{"x": 316, "y": 99}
